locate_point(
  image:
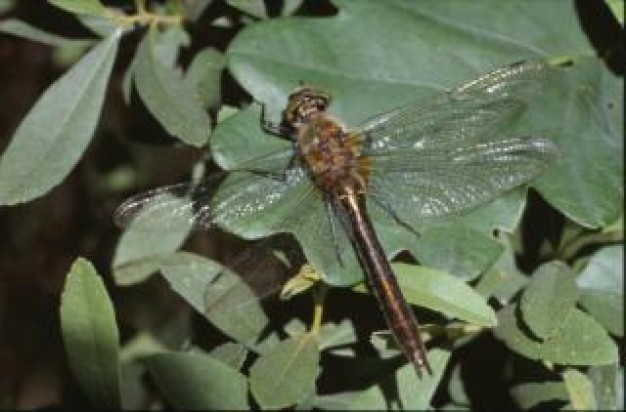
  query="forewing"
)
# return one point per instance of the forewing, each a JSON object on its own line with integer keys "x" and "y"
{"x": 472, "y": 112}
{"x": 443, "y": 182}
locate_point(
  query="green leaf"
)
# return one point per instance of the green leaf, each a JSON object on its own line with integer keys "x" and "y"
{"x": 579, "y": 340}
{"x": 167, "y": 44}
{"x": 6, "y": 5}
{"x": 54, "y": 134}
{"x": 602, "y": 286}
{"x": 415, "y": 393}
{"x": 144, "y": 244}
{"x": 204, "y": 76}
{"x": 337, "y": 334}
{"x": 90, "y": 7}
{"x": 170, "y": 99}
{"x": 456, "y": 387}
{"x": 255, "y": 8}
{"x": 191, "y": 381}
{"x": 580, "y": 390}
{"x": 529, "y": 395}
{"x": 588, "y": 100}
{"x": 195, "y": 9}
{"x": 290, "y": 7}
{"x": 607, "y": 384}
{"x": 22, "y": 29}
{"x": 549, "y": 298}
{"x": 285, "y": 375}
{"x": 458, "y": 250}
{"x": 230, "y": 354}
{"x": 617, "y": 8}
{"x": 218, "y": 294}
{"x": 270, "y": 59}
{"x": 404, "y": 67}
{"x": 432, "y": 289}
{"x": 90, "y": 335}
{"x": 412, "y": 393}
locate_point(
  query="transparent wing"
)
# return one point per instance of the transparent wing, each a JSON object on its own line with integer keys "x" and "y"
{"x": 194, "y": 203}
{"x": 167, "y": 207}
{"x": 443, "y": 182}
{"x": 472, "y": 112}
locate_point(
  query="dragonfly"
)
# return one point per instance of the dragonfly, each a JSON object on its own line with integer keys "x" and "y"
{"x": 428, "y": 159}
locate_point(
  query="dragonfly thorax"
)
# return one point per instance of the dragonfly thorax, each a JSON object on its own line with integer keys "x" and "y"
{"x": 332, "y": 155}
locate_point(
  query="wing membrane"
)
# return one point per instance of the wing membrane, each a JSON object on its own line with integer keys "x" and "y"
{"x": 472, "y": 112}
{"x": 195, "y": 203}
{"x": 444, "y": 182}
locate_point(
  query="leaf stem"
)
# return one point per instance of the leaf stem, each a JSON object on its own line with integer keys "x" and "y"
{"x": 570, "y": 249}
{"x": 319, "y": 296}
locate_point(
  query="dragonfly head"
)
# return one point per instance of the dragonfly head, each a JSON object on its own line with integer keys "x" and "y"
{"x": 303, "y": 103}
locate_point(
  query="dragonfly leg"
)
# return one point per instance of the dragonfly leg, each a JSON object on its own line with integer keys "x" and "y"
{"x": 268, "y": 126}
{"x": 392, "y": 214}
{"x": 330, "y": 213}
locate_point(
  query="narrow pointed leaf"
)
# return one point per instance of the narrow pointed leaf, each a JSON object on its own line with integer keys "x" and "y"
{"x": 90, "y": 7}
{"x": 55, "y": 133}
{"x": 284, "y": 375}
{"x": 22, "y": 29}
{"x": 90, "y": 335}
{"x": 168, "y": 97}
{"x": 195, "y": 382}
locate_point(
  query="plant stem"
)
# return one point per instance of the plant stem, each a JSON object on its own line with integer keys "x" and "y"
{"x": 319, "y": 295}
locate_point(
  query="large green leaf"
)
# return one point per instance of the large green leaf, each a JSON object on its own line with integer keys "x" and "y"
{"x": 192, "y": 381}
{"x": 435, "y": 290}
{"x": 398, "y": 65}
{"x": 285, "y": 375}
{"x": 549, "y": 298}
{"x": 457, "y": 249}
{"x": 602, "y": 288}
{"x": 90, "y": 335}
{"x": 54, "y": 134}
{"x": 582, "y": 111}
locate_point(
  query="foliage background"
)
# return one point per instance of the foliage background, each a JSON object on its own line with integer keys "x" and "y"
{"x": 131, "y": 151}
